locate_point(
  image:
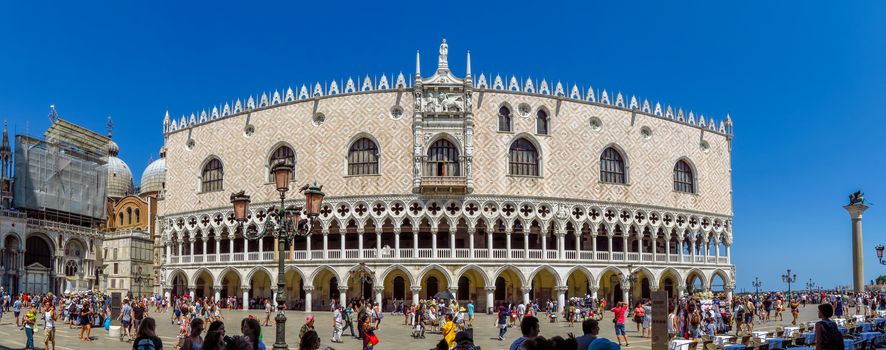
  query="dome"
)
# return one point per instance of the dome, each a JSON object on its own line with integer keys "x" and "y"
{"x": 119, "y": 176}
{"x": 113, "y": 149}
{"x": 154, "y": 176}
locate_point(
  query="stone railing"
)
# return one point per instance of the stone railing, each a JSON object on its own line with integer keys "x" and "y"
{"x": 459, "y": 254}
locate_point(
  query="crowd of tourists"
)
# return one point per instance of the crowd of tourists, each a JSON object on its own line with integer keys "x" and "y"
{"x": 201, "y": 321}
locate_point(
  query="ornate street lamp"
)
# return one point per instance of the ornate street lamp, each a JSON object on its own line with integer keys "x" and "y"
{"x": 788, "y": 278}
{"x": 879, "y": 249}
{"x": 810, "y": 285}
{"x": 757, "y": 283}
{"x": 631, "y": 279}
{"x": 287, "y": 223}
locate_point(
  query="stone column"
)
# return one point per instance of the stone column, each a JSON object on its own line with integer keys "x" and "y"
{"x": 343, "y": 296}
{"x": 855, "y": 211}
{"x": 217, "y": 293}
{"x": 561, "y": 243}
{"x": 508, "y": 241}
{"x": 397, "y": 242}
{"x": 489, "y": 244}
{"x": 526, "y": 290}
{"x": 191, "y": 291}
{"x": 471, "y": 232}
{"x": 561, "y": 298}
{"x": 434, "y": 242}
{"x": 593, "y": 290}
{"x": 452, "y": 230}
{"x": 309, "y": 290}
{"x": 490, "y": 298}
{"x": 609, "y": 236}
{"x": 360, "y": 242}
{"x": 415, "y": 291}
{"x": 378, "y": 294}
{"x": 308, "y": 247}
{"x": 168, "y": 253}
{"x": 378, "y": 232}
{"x": 342, "y": 231}
{"x": 325, "y": 243}
{"x": 544, "y": 244}
{"x": 414, "y": 241}
{"x": 680, "y": 244}
{"x": 217, "y": 249}
{"x": 525, "y": 242}
{"x": 626, "y": 291}
{"x": 245, "y": 291}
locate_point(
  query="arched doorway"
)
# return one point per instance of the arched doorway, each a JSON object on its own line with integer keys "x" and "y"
{"x": 203, "y": 284}
{"x": 38, "y": 264}
{"x": 11, "y": 257}
{"x": 230, "y": 284}
{"x": 610, "y": 287}
{"x": 543, "y": 284}
{"x": 578, "y": 284}
{"x": 295, "y": 293}
{"x": 360, "y": 282}
{"x": 259, "y": 288}
{"x": 179, "y": 284}
{"x": 432, "y": 282}
{"x": 694, "y": 282}
{"x": 471, "y": 285}
{"x": 396, "y": 284}
{"x": 508, "y": 287}
{"x": 325, "y": 286}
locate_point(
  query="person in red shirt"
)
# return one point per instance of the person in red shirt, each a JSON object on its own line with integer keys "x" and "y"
{"x": 620, "y": 310}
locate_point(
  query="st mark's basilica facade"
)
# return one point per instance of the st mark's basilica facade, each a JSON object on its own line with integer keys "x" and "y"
{"x": 494, "y": 189}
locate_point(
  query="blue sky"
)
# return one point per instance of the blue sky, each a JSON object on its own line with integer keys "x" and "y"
{"x": 804, "y": 82}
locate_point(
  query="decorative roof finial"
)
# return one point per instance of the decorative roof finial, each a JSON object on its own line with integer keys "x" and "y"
{"x": 469, "y": 63}
{"x": 110, "y": 125}
{"x": 417, "y": 64}
{"x": 443, "y": 59}
{"x": 53, "y": 115}
{"x": 5, "y": 150}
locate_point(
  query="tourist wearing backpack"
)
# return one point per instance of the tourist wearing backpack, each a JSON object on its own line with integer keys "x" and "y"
{"x": 147, "y": 338}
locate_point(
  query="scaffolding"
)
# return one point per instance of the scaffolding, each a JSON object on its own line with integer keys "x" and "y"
{"x": 61, "y": 180}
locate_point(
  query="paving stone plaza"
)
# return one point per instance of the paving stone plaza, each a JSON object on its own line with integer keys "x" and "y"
{"x": 393, "y": 334}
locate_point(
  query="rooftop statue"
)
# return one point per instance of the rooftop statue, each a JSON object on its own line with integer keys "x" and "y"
{"x": 856, "y": 198}
{"x": 443, "y": 60}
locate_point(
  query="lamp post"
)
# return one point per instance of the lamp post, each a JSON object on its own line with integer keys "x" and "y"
{"x": 879, "y": 249}
{"x": 631, "y": 279}
{"x": 757, "y": 283}
{"x": 287, "y": 223}
{"x": 788, "y": 278}
{"x": 810, "y": 285}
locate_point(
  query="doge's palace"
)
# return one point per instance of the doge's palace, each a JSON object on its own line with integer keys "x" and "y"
{"x": 493, "y": 188}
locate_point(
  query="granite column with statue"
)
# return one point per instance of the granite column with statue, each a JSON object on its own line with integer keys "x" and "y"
{"x": 855, "y": 208}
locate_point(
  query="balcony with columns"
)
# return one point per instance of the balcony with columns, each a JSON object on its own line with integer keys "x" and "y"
{"x": 458, "y": 243}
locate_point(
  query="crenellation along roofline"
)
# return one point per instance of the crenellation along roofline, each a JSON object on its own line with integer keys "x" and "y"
{"x": 725, "y": 127}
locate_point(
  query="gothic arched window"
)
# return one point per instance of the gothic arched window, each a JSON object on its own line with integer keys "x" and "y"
{"x": 363, "y": 157}
{"x": 683, "y": 177}
{"x": 612, "y": 166}
{"x": 442, "y": 159}
{"x": 523, "y": 158}
{"x": 541, "y": 122}
{"x": 282, "y": 153}
{"x": 504, "y": 119}
{"x": 212, "y": 176}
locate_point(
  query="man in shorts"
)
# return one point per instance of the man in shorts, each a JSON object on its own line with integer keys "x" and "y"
{"x": 49, "y": 316}
{"x": 126, "y": 319}
{"x": 470, "y": 322}
{"x": 17, "y": 310}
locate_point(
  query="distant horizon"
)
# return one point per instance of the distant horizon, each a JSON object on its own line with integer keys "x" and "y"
{"x": 803, "y": 84}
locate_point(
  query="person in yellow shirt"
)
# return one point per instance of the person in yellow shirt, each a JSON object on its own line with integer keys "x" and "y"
{"x": 448, "y": 330}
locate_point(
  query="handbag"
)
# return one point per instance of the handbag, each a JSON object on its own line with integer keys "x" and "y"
{"x": 373, "y": 339}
